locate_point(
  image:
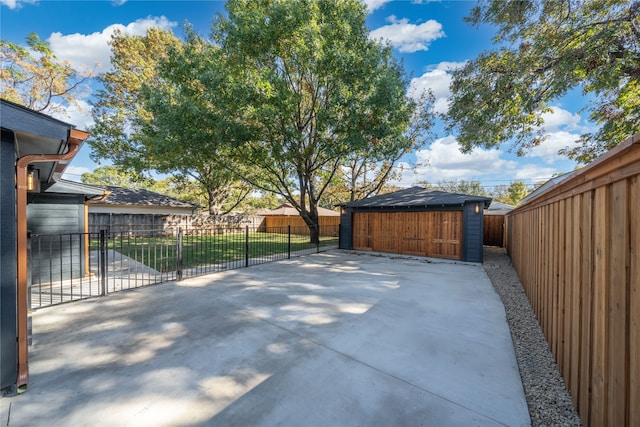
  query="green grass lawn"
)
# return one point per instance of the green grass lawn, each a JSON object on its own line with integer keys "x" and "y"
{"x": 160, "y": 253}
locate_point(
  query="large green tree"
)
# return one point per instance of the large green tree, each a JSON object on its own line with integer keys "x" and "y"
{"x": 545, "y": 49}
{"x": 116, "y": 177}
{"x": 33, "y": 76}
{"x": 321, "y": 92}
{"x": 511, "y": 194}
{"x": 462, "y": 186}
{"x": 153, "y": 115}
{"x": 367, "y": 173}
{"x": 195, "y": 120}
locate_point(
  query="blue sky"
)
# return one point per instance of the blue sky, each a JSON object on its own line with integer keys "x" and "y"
{"x": 430, "y": 37}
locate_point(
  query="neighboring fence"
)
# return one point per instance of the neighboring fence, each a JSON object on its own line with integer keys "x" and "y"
{"x": 576, "y": 248}
{"x": 123, "y": 222}
{"x": 493, "y": 230}
{"x": 70, "y": 267}
{"x": 329, "y": 224}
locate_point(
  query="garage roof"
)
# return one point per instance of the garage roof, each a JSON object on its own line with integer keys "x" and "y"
{"x": 416, "y": 197}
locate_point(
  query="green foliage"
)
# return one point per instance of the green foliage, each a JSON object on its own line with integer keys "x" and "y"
{"x": 116, "y": 177}
{"x": 316, "y": 91}
{"x": 154, "y": 114}
{"x": 512, "y": 194}
{"x": 545, "y": 49}
{"x": 252, "y": 203}
{"x": 119, "y": 106}
{"x": 34, "y": 77}
{"x": 470, "y": 187}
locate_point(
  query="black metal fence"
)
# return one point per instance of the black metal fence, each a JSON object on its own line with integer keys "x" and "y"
{"x": 72, "y": 266}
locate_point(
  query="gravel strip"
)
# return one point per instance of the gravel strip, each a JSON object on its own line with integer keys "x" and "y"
{"x": 548, "y": 399}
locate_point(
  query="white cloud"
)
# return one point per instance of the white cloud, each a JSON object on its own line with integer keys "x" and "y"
{"x": 534, "y": 173}
{"x": 561, "y": 119}
{"x": 79, "y": 116}
{"x": 74, "y": 173}
{"x": 87, "y": 50}
{"x": 554, "y": 142}
{"x": 16, "y": 4}
{"x": 375, "y": 4}
{"x": 408, "y": 37}
{"x": 561, "y": 129}
{"x": 443, "y": 160}
{"x": 438, "y": 80}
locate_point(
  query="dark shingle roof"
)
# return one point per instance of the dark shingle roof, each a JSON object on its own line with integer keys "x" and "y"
{"x": 417, "y": 197}
{"x": 141, "y": 197}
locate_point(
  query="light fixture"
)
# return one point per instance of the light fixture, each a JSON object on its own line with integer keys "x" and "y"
{"x": 477, "y": 209}
{"x": 33, "y": 180}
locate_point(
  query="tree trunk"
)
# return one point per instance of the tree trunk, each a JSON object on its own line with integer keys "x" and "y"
{"x": 313, "y": 223}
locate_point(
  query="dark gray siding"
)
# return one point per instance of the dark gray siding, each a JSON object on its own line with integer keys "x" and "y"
{"x": 56, "y": 224}
{"x": 8, "y": 263}
{"x": 346, "y": 230}
{"x": 472, "y": 233}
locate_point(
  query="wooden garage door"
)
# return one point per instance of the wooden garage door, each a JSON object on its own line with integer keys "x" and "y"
{"x": 435, "y": 234}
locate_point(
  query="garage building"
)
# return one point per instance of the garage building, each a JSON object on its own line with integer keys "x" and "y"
{"x": 416, "y": 221}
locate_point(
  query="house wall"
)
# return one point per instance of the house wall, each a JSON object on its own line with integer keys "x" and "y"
{"x": 576, "y": 250}
{"x": 56, "y": 225}
{"x": 473, "y": 232}
{"x": 8, "y": 262}
{"x": 346, "y": 229}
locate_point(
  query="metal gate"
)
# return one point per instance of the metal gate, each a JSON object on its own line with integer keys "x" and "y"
{"x": 73, "y": 266}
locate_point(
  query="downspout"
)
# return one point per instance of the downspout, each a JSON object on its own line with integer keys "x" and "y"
{"x": 75, "y": 139}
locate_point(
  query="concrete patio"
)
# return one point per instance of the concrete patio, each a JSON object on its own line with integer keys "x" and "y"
{"x": 330, "y": 339}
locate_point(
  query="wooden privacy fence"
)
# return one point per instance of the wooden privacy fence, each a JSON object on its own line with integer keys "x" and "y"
{"x": 494, "y": 230}
{"x": 275, "y": 222}
{"x": 576, "y": 248}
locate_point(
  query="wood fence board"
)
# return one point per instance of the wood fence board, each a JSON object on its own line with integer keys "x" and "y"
{"x": 560, "y": 282}
{"x": 540, "y": 267}
{"x": 586, "y": 317}
{"x": 554, "y": 280}
{"x": 617, "y": 322}
{"x": 634, "y": 302}
{"x": 576, "y": 299}
{"x": 567, "y": 306}
{"x": 328, "y": 224}
{"x": 548, "y": 274}
{"x": 600, "y": 307}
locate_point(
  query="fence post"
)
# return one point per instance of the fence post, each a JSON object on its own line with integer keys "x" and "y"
{"x": 317, "y": 238}
{"x": 103, "y": 262}
{"x": 289, "y": 241}
{"x": 179, "y": 253}
{"x": 246, "y": 246}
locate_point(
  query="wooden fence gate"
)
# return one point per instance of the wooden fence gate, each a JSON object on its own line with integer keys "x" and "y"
{"x": 494, "y": 230}
{"x": 435, "y": 234}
